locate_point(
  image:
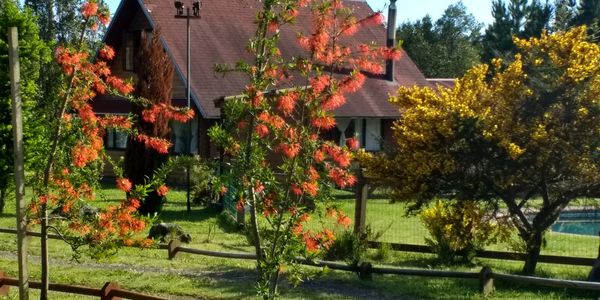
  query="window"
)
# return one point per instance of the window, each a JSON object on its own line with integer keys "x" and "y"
{"x": 184, "y": 133}
{"x": 131, "y": 42}
{"x": 128, "y": 53}
{"x": 373, "y": 135}
{"x": 115, "y": 140}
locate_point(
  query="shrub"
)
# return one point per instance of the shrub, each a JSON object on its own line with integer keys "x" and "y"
{"x": 352, "y": 247}
{"x": 201, "y": 179}
{"x": 458, "y": 229}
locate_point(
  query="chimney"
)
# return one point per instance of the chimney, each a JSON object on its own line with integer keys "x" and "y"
{"x": 391, "y": 39}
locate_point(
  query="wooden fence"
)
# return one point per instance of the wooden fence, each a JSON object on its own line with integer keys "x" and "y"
{"x": 551, "y": 259}
{"x": 365, "y": 270}
{"x": 485, "y": 277}
{"x": 110, "y": 290}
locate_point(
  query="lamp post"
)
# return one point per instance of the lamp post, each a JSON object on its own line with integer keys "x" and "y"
{"x": 197, "y": 4}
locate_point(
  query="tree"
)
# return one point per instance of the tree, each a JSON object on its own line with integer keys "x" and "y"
{"x": 271, "y": 119}
{"x": 520, "y": 134}
{"x": 67, "y": 181}
{"x": 518, "y": 19}
{"x": 564, "y": 13}
{"x": 33, "y": 53}
{"x": 155, "y": 80}
{"x": 453, "y": 39}
{"x": 588, "y": 12}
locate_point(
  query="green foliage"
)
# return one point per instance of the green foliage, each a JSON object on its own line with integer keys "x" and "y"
{"x": 445, "y": 49}
{"x": 352, "y": 247}
{"x": 32, "y": 54}
{"x": 460, "y": 228}
{"x": 505, "y": 133}
{"x": 202, "y": 178}
{"x": 519, "y": 18}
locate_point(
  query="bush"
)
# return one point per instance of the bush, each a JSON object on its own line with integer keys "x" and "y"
{"x": 351, "y": 247}
{"x": 201, "y": 179}
{"x": 458, "y": 229}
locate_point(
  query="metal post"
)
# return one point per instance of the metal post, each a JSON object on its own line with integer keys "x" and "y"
{"x": 189, "y": 135}
{"x": 19, "y": 171}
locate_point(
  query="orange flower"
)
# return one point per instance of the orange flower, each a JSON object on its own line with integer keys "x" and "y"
{"x": 289, "y": 150}
{"x": 162, "y": 190}
{"x": 89, "y": 9}
{"x": 343, "y": 220}
{"x": 262, "y": 130}
{"x": 273, "y": 26}
{"x": 124, "y": 184}
{"x": 332, "y": 102}
{"x": 146, "y": 243}
{"x": 353, "y": 143}
{"x": 324, "y": 122}
{"x": 104, "y": 18}
{"x": 287, "y": 103}
{"x": 296, "y": 190}
{"x": 310, "y": 188}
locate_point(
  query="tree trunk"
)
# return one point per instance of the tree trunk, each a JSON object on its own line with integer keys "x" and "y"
{"x": 2, "y": 196}
{"x": 140, "y": 163}
{"x": 534, "y": 246}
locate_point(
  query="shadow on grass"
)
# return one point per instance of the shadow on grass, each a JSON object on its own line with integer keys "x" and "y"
{"x": 7, "y": 215}
{"x": 195, "y": 215}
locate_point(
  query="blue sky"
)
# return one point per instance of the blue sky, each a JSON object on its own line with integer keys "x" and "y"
{"x": 413, "y": 10}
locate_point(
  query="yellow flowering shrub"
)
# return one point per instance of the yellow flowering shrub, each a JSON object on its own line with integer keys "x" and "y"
{"x": 457, "y": 229}
{"x": 516, "y": 129}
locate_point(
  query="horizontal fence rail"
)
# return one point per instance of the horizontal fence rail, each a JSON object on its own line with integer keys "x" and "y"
{"x": 110, "y": 290}
{"x": 551, "y": 259}
{"x": 485, "y": 276}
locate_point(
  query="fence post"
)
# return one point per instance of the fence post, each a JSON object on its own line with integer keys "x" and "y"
{"x": 364, "y": 271}
{"x": 105, "y": 293}
{"x": 172, "y": 248}
{"x": 486, "y": 282}
{"x": 3, "y": 287}
{"x": 360, "y": 205}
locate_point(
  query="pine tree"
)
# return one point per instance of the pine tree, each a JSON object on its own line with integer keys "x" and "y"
{"x": 564, "y": 14}
{"x": 518, "y": 19}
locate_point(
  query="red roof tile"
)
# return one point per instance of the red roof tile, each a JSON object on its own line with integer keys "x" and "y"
{"x": 221, "y": 35}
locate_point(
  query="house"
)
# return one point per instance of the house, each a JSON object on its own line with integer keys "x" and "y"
{"x": 220, "y": 36}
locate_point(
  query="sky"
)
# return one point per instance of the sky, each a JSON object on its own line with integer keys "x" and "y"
{"x": 412, "y": 10}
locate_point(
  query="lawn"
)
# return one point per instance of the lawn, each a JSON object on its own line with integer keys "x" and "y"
{"x": 200, "y": 277}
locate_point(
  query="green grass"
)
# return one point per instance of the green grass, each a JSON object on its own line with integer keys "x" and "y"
{"x": 193, "y": 276}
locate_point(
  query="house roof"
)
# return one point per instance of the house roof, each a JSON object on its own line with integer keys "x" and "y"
{"x": 221, "y": 35}
{"x": 444, "y": 82}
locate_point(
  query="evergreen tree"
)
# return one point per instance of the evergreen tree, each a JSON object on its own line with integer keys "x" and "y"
{"x": 33, "y": 53}
{"x": 452, "y": 39}
{"x": 588, "y": 13}
{"x": 155, "y": 80}
{"x": 564, "y": 14}
{"x": 520, "y": 19}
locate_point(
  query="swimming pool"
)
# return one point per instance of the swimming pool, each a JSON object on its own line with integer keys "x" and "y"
{"x": 584, "y": 222}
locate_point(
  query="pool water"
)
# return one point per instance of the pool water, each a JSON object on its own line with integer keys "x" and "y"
{"x": 584, "y": 222}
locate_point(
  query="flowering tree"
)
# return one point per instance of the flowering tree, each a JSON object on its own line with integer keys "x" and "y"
{"x": 506, "y": 133}
{"x": 281, "y": 168}
{"x": 66, "y": 186}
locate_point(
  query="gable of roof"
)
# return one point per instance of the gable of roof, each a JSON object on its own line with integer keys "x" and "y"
{"x": 221, "y": 35}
